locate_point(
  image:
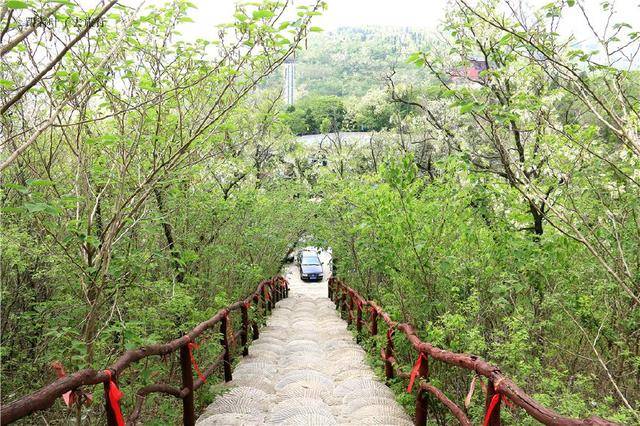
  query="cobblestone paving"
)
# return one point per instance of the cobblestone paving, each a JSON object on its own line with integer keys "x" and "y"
{"x": 305, "y": 369}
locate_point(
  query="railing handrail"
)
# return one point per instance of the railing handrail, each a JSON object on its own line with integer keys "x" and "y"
{"x": 45, "y": 397}
{"x": 498, "y": 383}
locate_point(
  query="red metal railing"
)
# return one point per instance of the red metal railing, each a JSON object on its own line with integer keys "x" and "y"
{"x": 265, "y": 296}
{"x": 351, "y": 303}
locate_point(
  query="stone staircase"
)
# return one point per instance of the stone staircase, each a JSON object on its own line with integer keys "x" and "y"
{"x": 305, "y": 369}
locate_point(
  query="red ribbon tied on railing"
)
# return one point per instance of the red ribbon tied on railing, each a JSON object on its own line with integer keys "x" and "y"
{"x": 494, "y": 401}
{"x": 114, "y": 399}
{"x": 68, "y": 397}
{"x": 415, "y": 370}
{"x": 509, "y": 403}
{"x": 193, "y": 346}
{"x": 266, "y": 294}
{"x": 246, "y": 304}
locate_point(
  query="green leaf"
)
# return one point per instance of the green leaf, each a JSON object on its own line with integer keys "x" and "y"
{"x": 466, "y": 108}
{"x": 19, "y": 188}
{"x": 16, "y": 4}
{"x": 316, "y": 29}
{"x": 93, "y": 241}
{"x": 413, "y": 57}
{"x": 39, "y": 182}
{"x": 10, "y": 210}
{"x": 262, "y": 14}
{"x": 42, "y": 207}
{"x": 504, "y": 39}
{"x": 36, "y": 207}
{"x": 621, "y": 25}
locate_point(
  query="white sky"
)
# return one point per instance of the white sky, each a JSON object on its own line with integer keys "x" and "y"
{"x": 424, "y": 14}
{"x": 406, "y": 13}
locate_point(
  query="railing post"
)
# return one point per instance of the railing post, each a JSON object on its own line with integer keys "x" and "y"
{"x": 494, "y": 419}
{"x": 225, "y": 345}
{"x": 374, "y": 322}
{"x": 111, "y": 417}
{"x": 388, "y": 353}
{"x": 350, "y": 309}
{"x": 254, "y": 322}
{"x": 255, "y": 330}
{"x": 374, "y": 327}
{"x": 345, "y": 305}
{"x": 270, "y": 294}
{"x": 421, "y": 408}
{"x": 263, "y": 295}
{"x": 188, "y": 413}
{"x": 267, "y": 303}
{"x": 421, "y": 399}
{"x": 245, "y": 329}
{"x": 359, "y": 321}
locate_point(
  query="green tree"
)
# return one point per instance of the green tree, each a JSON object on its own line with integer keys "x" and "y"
{"x": 318, "y": 114}
{"x": 138, "y": 175}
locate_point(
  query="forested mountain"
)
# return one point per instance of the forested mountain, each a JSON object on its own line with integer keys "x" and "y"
{"x": 354, "y": 61}
{"x": 341, "y": 78}
{"x": 494, "y": 204}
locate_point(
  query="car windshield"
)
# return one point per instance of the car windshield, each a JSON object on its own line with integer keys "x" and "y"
{"x": 310, "y": 261}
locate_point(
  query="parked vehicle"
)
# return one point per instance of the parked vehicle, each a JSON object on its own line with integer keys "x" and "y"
{"x": 306, "y": 252}
{"x": 310, "y": 265}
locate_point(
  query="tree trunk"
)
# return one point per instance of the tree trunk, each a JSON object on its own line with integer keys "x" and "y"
{"x": 168, "y": 233}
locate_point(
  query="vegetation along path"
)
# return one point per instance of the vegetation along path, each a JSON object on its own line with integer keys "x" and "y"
{"x": 474, "y": 166}
{"x": 305, "y": 368}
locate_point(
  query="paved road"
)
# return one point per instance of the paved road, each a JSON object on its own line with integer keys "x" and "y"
{"x": 305, "y": 369}
{"x": 360, "y": 138}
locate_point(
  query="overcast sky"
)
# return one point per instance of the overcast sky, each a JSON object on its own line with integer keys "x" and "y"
{"x": 412, "y": 13}
{"x": 425, "y": 14}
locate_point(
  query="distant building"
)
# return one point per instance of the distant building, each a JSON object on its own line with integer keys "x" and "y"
{"x": 289, "y": 79}
{"x": 470, "y": 73}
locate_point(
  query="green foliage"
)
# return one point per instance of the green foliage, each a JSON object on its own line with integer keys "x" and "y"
{"x": 328, "y": 114}
{"x": 496, "y": 211}
{"x": 350, "y": 62}
{"x": 153, "y": 206}
{"x": 315, "y": 115}
{"x": 432, "y": 257}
